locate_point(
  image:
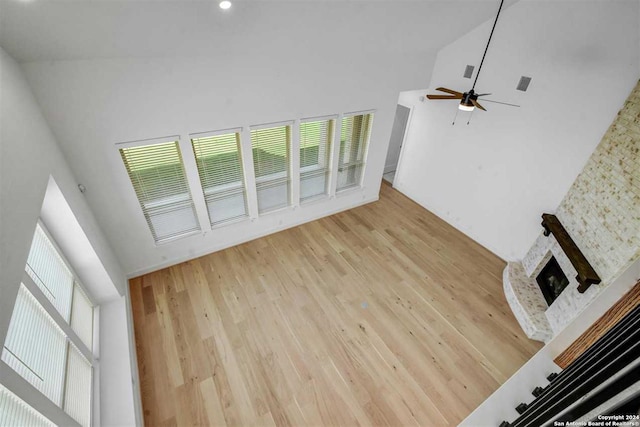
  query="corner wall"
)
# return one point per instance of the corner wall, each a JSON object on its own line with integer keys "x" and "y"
{"x": 493, "y": 178}
{"x": 29, "y": 156}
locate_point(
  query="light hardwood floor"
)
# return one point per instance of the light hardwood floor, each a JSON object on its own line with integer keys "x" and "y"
{"x": 381, "y": 315}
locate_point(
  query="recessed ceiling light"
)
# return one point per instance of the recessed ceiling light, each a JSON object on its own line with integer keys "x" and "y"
{"x": 225, "y": 4}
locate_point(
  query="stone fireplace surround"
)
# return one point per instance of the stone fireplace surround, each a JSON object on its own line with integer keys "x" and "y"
{"x": 601, "y": 213}
{"x": 538, "y": 320}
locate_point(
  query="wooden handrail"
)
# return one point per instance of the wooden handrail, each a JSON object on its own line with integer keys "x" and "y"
{"x": 608, "y": 320}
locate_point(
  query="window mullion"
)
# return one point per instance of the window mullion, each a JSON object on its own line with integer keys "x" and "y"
{"x": 335, "y": 157}
{"x": 294, "y": 163}
{"x": 66, "y": 373}
{"x": 249, "y": 173}
{"x": 193, "y": 181}
{"x": 56, "y": 316}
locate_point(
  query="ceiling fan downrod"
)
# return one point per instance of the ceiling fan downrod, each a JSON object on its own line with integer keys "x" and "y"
{"x": 487, "y": 48}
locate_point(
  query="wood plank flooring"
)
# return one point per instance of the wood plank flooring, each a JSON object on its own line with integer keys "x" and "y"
{"x": 381, "y": 315}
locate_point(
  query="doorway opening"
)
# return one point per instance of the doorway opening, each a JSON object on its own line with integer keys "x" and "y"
{"x": 395, "y": 142}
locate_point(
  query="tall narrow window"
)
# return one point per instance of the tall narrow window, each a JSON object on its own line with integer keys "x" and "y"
{"x": 52, "y": 348}
{"x": 220, "y": 168}
{"x": 354, "y": 138}
{"x": 272, "y": 164}
{"x": 46, "y": 267}
{"x": 315, "y": 153}
{"x": 159, "y": 180}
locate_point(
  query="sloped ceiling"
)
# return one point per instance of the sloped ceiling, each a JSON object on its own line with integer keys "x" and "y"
{"x": 105, "y": 72}
{"x": 493, "y": 179}
{"x": 39, "y": 30}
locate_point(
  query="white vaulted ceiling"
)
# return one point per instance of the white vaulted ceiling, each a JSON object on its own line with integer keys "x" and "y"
{"x": 38, "y": 30}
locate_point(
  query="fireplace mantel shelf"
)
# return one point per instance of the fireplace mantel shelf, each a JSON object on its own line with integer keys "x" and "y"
{"x": 587, "y": 276}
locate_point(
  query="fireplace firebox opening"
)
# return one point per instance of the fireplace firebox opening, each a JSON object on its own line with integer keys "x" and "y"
{"x": 552, "y": 280}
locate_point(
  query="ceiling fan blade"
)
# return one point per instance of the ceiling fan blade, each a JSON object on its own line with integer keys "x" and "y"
{"x": 483, "y": 94}
{"x": 474, "y": 102}
{"x": 499, "y": 102}
{"x": 444, "y": 96}
{"x": 451, "y": 91}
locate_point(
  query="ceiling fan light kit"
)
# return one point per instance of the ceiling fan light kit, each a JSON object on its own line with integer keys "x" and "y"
{"x": 469, "y": 100}
{"x": 465, "y": 107}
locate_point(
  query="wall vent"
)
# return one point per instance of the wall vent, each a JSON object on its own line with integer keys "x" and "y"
{"x": 468, "y": 72}
{"x": 523, "y": 84}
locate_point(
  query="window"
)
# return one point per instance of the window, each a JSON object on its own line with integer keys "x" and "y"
{"x": 82, "y": 316}
{"x": 354, "y": 137}
{"x": 36, "y": 347}
{"x": 220, "y": 168}
{"x": 49, "y": 342}
{"x": 50, "y": 272}
{"x": 15, "y": 412}
{"x": 159, "y": 180}
{"x": 77, "y": 390}
{"x": 316, "y": 138}
{"x": 271, "y": 163}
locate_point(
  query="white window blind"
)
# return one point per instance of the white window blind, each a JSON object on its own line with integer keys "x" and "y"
{"x": 47, "y": 268}
{"x": 354, "y": 137}
{"x": 159, "y": 180}
{"x": 221, "y": 176}
{"x": 82, "y": 316}
{"x": 78, "y": 387}
{"x": 35, "y": 347}
{"x": 271, "y": 162}
{"x": 15, "y": 412}
{"x": 315, "y": 150}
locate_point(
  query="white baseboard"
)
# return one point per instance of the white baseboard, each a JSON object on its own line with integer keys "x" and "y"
{"x": 261, "y": 233}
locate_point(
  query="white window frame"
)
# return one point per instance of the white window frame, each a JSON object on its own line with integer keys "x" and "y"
{"x": 160, "y": 202}
{"x": 365, "y": 155}
{"x": 278, "y": 176}
{"x": 331, "y": 167}
{"x": 227, "y": 187}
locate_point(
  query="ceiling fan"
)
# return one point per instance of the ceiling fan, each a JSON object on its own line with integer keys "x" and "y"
{"x": 469, "y": 100}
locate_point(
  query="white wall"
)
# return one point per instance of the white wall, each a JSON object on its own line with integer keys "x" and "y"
{"x": 493, "y": 178}
{"x": 116, "y": 394}
{"x": 501, "y": 404}
{"x": 60, "y": 221}
{"x": 29, "y": 156}
{"x": 111, "y": 101}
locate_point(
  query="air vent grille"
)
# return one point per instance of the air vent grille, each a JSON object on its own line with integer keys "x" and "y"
{"x": 523, "y": 84}
{"x": 468, "y": 71}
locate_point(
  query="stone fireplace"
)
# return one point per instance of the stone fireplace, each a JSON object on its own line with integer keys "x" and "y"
{"x": 601, "y": 214}
{"x": 540, "y": 316}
